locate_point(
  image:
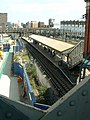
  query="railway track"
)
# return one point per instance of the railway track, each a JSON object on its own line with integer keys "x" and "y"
{"x": 59, "y": 80}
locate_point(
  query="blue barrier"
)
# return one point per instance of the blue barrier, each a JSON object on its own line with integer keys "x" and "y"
{"x": 19, "y": 45}
{"x": 29, "y": 87}
{"x": 17, "y": 48}
{"x": 30, "y": 90}
{"x": 41, "y": 106}
{"x": 18, "y": 69}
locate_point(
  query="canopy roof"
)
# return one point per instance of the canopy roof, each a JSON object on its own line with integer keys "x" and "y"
{"x": 53, "y": 43}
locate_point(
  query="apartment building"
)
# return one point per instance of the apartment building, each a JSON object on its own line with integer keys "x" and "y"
{"x": 72, "y": 29}
{"x": 34, "y": 24}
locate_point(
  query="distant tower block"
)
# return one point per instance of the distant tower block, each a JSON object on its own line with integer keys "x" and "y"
{"x": 87, "y": 30}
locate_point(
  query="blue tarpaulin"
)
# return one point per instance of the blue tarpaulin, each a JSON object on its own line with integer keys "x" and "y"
{"x": 18, "y": 69}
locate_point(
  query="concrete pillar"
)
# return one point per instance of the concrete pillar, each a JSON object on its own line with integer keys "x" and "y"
{"x": 87, "y": 30}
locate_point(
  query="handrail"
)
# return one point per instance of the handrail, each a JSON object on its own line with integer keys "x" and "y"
{"x": 76, "y": 46}
{"x": 75, "y": 55}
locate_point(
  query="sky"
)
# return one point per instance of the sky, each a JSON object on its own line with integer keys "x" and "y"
{"x": 42, "y": 10}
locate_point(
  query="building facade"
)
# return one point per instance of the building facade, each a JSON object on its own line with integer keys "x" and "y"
{"x": 41, "y": 24}
{"x": 72, "y": 29}
{"x": 51, "y": 22}
{"x": 34, "y": 24}
{"x": 3, "y": 20}
{"x": 28, "y": 24}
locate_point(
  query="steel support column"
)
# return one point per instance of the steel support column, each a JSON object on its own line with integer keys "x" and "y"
{"x": 87, "y": 30}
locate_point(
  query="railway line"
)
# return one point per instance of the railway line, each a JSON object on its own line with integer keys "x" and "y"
{"x": 60, "y": 81}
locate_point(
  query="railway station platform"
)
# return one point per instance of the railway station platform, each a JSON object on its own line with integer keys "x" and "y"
{"x": 72, "y": 54}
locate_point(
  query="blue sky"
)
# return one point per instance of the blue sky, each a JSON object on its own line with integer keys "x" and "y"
{"x": 42, "y": 10}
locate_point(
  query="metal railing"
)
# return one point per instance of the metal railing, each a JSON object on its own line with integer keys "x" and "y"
{"x": 75, "y": 56}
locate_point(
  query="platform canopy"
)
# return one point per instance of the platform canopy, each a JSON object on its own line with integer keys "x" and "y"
{"x": 52, "y": 43}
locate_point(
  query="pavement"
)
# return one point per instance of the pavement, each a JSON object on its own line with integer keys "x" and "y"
{"x": 8, "y": 83}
